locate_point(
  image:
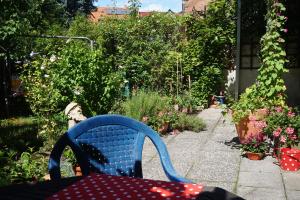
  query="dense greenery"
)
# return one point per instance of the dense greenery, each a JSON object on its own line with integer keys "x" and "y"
{"x": 77, "y": 74}
{"x": 180, "y": 57}
{"x": 162, "y": 52}
{"x": 157, "y": 111}
{"x": 210, "y": 48}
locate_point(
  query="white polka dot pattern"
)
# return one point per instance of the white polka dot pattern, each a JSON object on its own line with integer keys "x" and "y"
{"x": 290, "y": 159}
{"x": 116, "y": 187}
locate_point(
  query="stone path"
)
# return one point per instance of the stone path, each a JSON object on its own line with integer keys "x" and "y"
{"x": 211, "y": 158}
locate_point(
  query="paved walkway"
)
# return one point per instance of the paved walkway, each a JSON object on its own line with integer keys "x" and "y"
{"x": 211, "y": 158}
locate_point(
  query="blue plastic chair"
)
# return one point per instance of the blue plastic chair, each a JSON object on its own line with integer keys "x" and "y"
{"x": 110, "y": 144}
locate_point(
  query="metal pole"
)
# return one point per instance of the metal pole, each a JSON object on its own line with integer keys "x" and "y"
{"x": 238, "y": 50}
{"x": 63, "y": 37}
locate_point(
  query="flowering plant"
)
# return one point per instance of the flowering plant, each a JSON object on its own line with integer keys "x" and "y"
{"x": 255, "y": 144}
{"x": 283, "y": 126}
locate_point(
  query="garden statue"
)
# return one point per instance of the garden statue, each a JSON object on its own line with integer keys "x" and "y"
{"x": 74, "y": 113}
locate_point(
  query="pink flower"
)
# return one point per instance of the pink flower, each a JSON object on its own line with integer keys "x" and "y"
{"x": 278, "y": 109}
{"x": 293, "y": 137}
{"x": 252, "y": 118}
{"x": 289, "y": 130}
{"x": 261, "y": 124}
{"x": 285, "y": 30}
{"x": 291, "y": 114}
{"x": 265, "y": 111}
{"x": 282, "y": 139}
{"x": 277, "y": 132}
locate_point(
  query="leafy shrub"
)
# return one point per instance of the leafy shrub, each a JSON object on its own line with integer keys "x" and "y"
{"x": 283, "y": 126}
{"x": 51, "y": 128}
{"x": 189, "y": 122}
{"x": 75, "y": 74}
{"x": 27, "y": 167}
{"x": 144, "y": 104}
{"x": 156, "y": 110}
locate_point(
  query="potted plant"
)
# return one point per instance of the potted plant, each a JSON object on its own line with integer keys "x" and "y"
{"x": 255, "y": 146}
{"x": 283, "y": 128}
{"x": 249, "y": 113}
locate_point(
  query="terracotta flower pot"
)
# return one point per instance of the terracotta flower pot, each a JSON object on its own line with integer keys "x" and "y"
{"x": 247, "y": 127}
{"x": 164, "y": 128}
{"x": 254, "y": 156}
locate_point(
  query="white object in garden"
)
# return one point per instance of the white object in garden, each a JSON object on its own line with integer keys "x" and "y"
{"x": 74, "y": 113}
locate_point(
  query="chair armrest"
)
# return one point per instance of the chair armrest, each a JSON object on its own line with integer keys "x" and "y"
{"x": 165, "y": 160}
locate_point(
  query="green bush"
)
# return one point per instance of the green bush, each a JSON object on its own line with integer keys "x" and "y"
{"x": 189, "y": 122}
{"x": 144, "y": 104}
{"x": 76, "y": 74}
{"x": 156, "y": 110}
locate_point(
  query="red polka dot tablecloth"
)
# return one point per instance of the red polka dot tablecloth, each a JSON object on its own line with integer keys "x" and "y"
{"x": 107, "y": 187}
{"x": 290, "y": 159}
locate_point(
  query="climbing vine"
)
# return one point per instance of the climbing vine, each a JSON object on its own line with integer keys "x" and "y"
{"x": 269, "y": 87}
{"x": 273, "y": 56}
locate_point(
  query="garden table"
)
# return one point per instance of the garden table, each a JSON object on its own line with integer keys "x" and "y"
{"x": 101, "y": 186}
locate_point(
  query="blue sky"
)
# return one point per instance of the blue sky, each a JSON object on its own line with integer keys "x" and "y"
{"x": 147, "y": 5}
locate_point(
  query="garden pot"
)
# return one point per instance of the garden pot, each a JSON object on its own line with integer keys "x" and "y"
{"x": 254, "y": 156}
{"x": 289, "y": 159}
{"x": 77, "y": 170}
{"x": 246, "y": 126}
{"x": 164, "y": 127}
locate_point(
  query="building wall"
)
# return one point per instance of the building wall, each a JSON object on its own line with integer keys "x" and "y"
{"x": 292, "y": 82}
{"x": 189, "y": 5}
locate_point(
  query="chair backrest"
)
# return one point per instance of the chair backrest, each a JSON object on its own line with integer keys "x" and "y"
{"x": 110, "y": 144}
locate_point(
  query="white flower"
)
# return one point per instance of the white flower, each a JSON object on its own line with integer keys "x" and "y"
{"x": 76, "y": 92}
{"x": 46, "y": 75}
{"x": 43, "y": 67}
{"x": 53, "y": 58}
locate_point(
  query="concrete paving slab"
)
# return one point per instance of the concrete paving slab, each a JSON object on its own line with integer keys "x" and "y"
{"x": 260, "y": 179}
{"x": 255, "y": 193}
{"x": 219, "y": 146}
{"x": 293, "y": 194}
{"x": 291, "y": 180}
{"x": 265, "y": 165}
{"x": 215, "y": 166}
{"x": 191, "y": 135}
{"x": 153, "y": 170}
{"x": 210, "y": 116}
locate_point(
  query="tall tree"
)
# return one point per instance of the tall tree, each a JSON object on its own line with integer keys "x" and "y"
{"x": 73, "y": 7}
{"x": 19, "y": 18}
{"x": 134, "y": 6}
